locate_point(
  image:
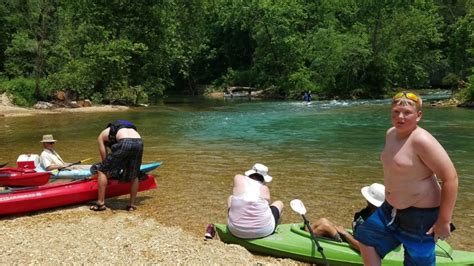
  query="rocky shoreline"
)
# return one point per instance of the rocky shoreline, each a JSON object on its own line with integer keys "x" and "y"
{"x": 7, "y": 109}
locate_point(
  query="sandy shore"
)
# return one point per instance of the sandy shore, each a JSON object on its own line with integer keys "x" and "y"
{"x": 7, "y": 109}
{"x": 77, "y": 235}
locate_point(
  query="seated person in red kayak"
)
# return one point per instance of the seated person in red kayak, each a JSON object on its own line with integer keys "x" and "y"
{"x": 250, "y": 212}
{"x": 375, "y": 196}
{"x": 121, "y": 150}
{"x": 50, "y": 159}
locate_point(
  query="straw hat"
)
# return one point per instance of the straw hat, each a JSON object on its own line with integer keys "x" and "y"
{"x": 48, "y": 138}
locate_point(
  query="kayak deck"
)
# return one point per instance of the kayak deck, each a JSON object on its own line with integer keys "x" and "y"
{"x": 28, "y": 199}
{"x": 290, "y": 241}
{"x": 82, "y": 173}
{"x": 17, "y": 177}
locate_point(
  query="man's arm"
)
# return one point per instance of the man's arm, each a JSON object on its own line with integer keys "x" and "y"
{"x": 346, "y": 236}
{"x": 103, "y": 137}
{"x": 437, "y": 159}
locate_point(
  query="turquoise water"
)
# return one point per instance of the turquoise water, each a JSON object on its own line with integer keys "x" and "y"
{"x": 322, "y": 153}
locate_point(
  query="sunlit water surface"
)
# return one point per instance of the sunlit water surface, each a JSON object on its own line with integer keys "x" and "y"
{"x": 322, "y": 154}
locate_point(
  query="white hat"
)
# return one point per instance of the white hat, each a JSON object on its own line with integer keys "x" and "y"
{"x": 48, "y": 138}
{"x": 374, "y": 194}
{"x": 260, "y": 169}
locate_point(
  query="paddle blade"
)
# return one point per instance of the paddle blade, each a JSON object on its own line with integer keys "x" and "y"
{"x": 298, "y": 206}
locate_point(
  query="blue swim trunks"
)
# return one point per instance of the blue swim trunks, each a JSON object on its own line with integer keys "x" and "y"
{"x": 408, "y": 227}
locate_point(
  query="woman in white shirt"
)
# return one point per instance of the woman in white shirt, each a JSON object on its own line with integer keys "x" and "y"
{"x": 250, "y": 213}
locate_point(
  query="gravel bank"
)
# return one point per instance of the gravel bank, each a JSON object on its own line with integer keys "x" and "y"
{"x": 79, "y": 236}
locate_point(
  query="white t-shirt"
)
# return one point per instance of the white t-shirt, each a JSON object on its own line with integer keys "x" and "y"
{"x": 49, "y": 157}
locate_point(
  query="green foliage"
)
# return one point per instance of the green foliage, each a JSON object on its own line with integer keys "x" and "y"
{"x": 467, "y": 93}
{"x": 77, "y": 76}
{"x": 238, "y": 78}
{"x": 404, "y": 37}
{"x": 20, "y": 54}
{"x": 3, "y": 84}
{"x": 301, "y": 82}
{"x": 127, "y": 95}
{"x": 450, "y": 80}
{"x": 467, "y": 25}
{"x": 278, "y": 32}
{"x": 338, "y": 60}
{"x": 97, "y": 97}
{"x": 21, "y": 90}
{"x": 130, "y": 52}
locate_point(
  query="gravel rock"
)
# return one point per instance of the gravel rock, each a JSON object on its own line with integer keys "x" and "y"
{"x": 79, "y": 236}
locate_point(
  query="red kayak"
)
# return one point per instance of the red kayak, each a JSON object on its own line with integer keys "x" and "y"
{"x": 18, "y": 177}
{"x": 23, "y": 200}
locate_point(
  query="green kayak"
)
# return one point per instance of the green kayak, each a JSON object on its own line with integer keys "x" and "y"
{"x": 290, "y": 241}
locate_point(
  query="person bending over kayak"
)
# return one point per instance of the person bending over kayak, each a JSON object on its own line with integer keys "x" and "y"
{"x": 123, "y": 161}
{"x": 375, "y": 196}
{"x": 250, "y": 212}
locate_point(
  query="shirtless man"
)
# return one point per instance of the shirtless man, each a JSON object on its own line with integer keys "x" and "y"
{"x": 123, "y": 162}
{"x": 417, "y": 211}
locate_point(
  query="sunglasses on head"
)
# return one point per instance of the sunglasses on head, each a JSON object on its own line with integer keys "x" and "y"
{"x": 408, "y": 95}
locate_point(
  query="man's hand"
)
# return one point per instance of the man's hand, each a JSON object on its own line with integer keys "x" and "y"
{"x": 440, "y": 230}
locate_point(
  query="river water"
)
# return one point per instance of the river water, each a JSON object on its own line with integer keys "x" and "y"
{"x": 322, "y": 154}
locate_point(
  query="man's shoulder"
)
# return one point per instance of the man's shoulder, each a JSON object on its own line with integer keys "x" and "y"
{"x": 421, "y": 136}
{"x": 391, "y": 131}
{"x": 45, "y": 152}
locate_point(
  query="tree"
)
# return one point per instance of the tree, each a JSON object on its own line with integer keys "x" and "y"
{"x": 34, "y": 21}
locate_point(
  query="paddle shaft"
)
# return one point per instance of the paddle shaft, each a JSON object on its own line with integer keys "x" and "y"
{"x": 74, "y": 163}
{"x": 320, "y": 249}
{"x": 79, "y": 162}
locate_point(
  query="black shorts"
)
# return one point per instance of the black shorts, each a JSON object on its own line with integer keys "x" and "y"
{"x": 276, "y": 215}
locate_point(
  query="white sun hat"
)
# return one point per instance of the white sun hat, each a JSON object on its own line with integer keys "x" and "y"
{"x": 374, "y": 194}
{"x": 260, "y": 169}
{"x": 48, "y": 138}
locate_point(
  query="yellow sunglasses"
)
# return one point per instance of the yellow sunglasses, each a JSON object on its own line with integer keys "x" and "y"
{"x": 408, "y": 95}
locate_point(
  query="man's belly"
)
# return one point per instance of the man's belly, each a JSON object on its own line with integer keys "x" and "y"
{"x": 423, "y": 193}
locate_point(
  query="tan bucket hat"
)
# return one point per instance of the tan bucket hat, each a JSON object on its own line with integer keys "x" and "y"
{"x": 48, "y": 138}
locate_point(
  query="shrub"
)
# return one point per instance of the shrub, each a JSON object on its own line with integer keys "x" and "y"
{"x": 21, "y": 90}
{"x": 467, "y": 93}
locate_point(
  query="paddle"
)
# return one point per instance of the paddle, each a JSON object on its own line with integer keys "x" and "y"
{"x": 56, "y": 171}
{"x": 3, "y": 164}
{"x": 79, "y": 162}
{"x": 298, "y": 206}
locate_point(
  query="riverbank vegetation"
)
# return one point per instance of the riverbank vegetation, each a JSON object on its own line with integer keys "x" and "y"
{"x": 135, "y": 51}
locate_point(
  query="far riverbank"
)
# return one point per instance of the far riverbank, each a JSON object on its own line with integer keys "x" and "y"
{"x": 7, "y": 109}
